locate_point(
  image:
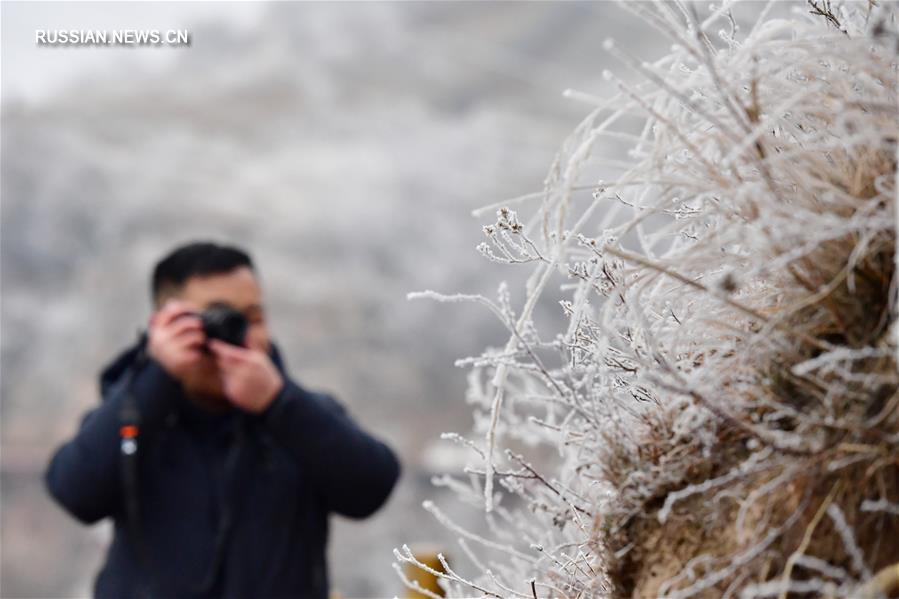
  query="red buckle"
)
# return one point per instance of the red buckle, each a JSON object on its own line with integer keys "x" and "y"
{"x": 128, "y": 431}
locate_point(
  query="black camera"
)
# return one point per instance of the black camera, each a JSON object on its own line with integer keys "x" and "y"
{"x": 221, "y": 321}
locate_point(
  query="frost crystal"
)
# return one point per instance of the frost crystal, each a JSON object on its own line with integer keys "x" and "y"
{"x": 715, "y": 412}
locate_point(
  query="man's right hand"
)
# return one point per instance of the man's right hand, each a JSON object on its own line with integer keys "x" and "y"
{"x": 176, "y": 338}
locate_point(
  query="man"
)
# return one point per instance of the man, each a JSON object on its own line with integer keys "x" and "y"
{"x": 218, "y": 469}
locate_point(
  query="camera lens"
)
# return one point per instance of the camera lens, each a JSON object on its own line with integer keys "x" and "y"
{"x": 223, "y": 322}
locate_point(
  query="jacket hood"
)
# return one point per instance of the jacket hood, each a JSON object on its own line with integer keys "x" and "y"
{"x": 114, "y": 370}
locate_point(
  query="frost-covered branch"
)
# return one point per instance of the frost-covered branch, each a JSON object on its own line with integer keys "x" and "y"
{"x": 715, "y": 407}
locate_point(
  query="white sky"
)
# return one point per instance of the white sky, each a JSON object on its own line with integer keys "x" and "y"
{"x": 32, "y": 72}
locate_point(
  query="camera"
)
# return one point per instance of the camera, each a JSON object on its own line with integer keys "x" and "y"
{"x": 223, "y": 322}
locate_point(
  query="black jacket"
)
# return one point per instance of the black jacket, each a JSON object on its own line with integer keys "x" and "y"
{"x": 264, "y": 484}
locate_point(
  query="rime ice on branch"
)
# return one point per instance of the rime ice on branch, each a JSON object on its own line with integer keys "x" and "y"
{"x": 723, "y": 401}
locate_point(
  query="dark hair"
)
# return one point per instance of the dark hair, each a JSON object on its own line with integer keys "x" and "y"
{"x": 195, "y": 259}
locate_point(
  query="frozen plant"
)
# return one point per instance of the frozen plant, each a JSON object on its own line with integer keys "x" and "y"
{"x": 723, "y": 400}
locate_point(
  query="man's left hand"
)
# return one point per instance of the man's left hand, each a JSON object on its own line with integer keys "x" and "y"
{"x": 250, "y": 379}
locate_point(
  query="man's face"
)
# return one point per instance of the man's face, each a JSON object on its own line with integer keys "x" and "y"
{"x": 239, "y": 289}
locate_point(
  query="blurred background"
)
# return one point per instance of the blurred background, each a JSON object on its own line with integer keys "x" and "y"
{"x": 345, "y": 145}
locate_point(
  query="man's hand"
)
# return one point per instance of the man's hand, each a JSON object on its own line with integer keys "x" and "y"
{"x": 175, "y": 342}
{"x": 250, "y": 379}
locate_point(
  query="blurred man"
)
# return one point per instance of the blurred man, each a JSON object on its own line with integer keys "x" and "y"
{"x": 218, "y": 470}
